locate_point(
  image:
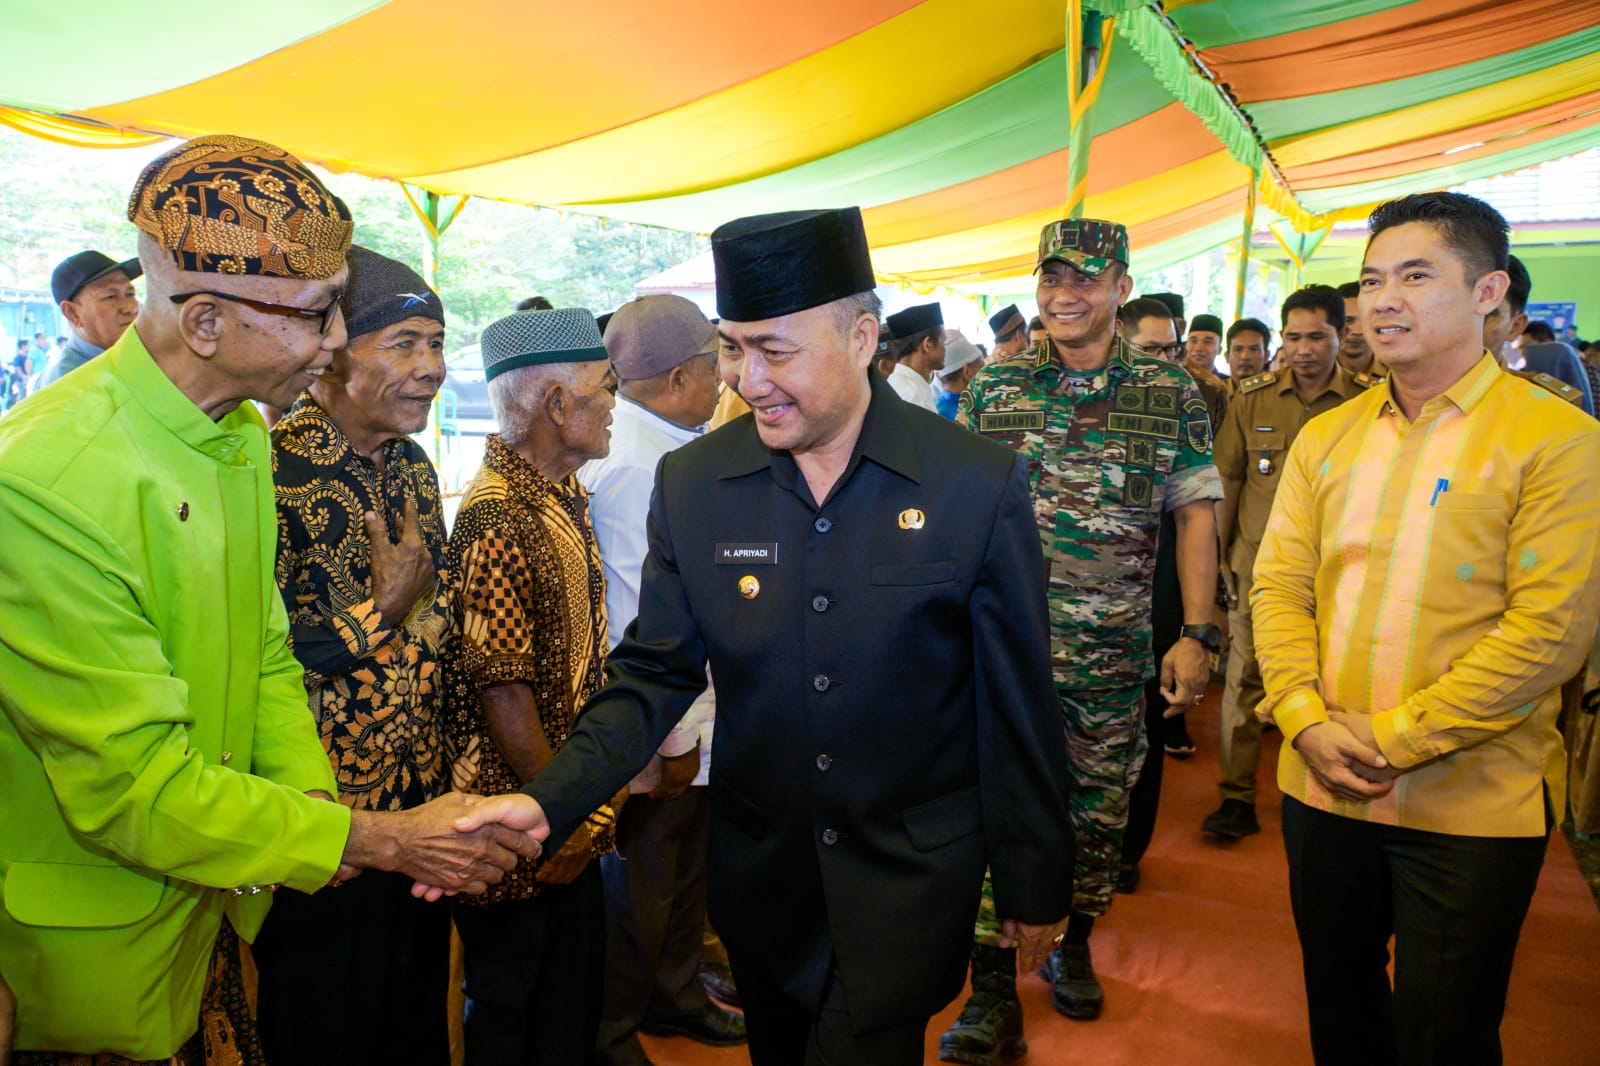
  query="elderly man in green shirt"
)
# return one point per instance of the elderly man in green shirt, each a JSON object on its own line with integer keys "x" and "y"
{"x": 158, "y": 768}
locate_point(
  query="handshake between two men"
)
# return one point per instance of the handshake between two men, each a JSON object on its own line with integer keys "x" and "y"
{"x": 456, "y": 843}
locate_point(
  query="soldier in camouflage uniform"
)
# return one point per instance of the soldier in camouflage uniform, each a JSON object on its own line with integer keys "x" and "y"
{"x": 1114, "y": 439}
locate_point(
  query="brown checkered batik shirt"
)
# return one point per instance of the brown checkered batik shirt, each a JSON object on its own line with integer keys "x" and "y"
{"x": 530, "y": 603}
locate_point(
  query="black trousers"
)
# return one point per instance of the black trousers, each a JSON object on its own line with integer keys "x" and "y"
{"x": 354, "y": 975}
{"x": 1145, "y": 798}
{"x": 785, "y": 1032}
{"x": 655, "y": 886}
{"x": 534, "y": 971}
{"x": 1454, "y": 906}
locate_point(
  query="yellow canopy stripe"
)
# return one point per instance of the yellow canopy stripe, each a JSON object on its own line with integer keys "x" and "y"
{"x": 1131, "y": 204}
{"x": 812, "y": 108}
{"x": 1275, "y": 197}
{"x": 72, "y": 131}
{"x": 1474, "y": 107}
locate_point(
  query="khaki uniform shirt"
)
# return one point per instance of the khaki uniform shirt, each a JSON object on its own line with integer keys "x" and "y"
{"x": 1263, "y": 419}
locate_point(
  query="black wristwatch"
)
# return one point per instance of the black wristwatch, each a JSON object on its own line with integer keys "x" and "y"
{"x": 1209, "y": 636}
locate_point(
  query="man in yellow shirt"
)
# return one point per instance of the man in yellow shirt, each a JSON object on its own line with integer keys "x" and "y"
{"x": 1427, "y": 581}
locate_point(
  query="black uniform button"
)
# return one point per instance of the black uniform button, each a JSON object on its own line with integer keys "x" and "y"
{"x": 821, "y": 682}
{"x": 829, "y": 837}
{"x": 819, "y": 603}
{"x": 824, "y": 761}
{"x": 822, "y": 525}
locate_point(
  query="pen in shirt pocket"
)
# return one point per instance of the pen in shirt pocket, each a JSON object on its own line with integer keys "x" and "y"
{"x": 1442, "y": 485}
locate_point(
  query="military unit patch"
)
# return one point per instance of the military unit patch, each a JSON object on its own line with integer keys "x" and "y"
{"x": 1198, "y": 425}
{"x": 1163, "y": 400}
{"x": 1136, "y": 489}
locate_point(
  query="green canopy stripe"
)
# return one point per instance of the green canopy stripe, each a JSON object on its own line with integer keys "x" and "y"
{"x": 1288, "y": 118}
{"x": 122, "y": 51}
{"x": 1153, "y": 258}
{"x": 1014, "y": 121}
{"x": 1151, "y": 38}
{"x": 1453, "y": 174}
{"x": 1220, "y": 22}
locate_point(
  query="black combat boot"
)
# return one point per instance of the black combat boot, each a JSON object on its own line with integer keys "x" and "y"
{"x": 1074, "y": 989}
{"x": 990, "y": 1026}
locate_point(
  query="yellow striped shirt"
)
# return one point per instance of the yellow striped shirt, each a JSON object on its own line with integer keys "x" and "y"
{"x": 1439, "y": 575}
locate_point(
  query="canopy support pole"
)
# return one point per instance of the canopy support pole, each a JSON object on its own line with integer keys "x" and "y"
{"x": 427, "y": 210}
{"x": 1304, "y": 247}
{"x": 1089, "y": 38}
{"x": 1244, "y": 245}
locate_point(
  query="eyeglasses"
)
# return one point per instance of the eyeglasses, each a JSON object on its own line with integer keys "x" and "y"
{"x": 324, "y": 315}
{"x": 1169, "y": 352}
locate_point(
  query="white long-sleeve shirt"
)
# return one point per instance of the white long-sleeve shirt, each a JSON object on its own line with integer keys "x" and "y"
{"x": 912, "y": 387}
{"x": 619, "y": 502}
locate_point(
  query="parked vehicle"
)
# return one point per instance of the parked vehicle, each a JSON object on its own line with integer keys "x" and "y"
{"x": 465, "y": 388}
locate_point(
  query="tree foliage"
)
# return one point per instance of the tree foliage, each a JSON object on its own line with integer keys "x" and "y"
{"x": 60, "y": 200}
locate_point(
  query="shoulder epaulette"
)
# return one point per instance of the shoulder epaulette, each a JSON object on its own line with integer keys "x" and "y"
{"x": 1260, "y": 381}
{"x": 1367, "y": 380}
{"x": 1555, "y": 385}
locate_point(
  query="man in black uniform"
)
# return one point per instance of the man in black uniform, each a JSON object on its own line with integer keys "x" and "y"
{"x": 858, "y": 788}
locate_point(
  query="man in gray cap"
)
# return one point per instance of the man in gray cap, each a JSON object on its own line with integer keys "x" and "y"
{"x": 95, "y": 294}
{"x": 360, "y": 540}
{"x": 664, "y": 352}
{"x": 859, "y": 787}
{"x": 530, "y": 611}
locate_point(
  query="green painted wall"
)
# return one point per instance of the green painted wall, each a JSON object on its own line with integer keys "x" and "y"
{"x": 1567, "y": 273}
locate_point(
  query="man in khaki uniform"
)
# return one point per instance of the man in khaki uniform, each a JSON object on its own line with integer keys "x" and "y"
{"x": 1263, "y": 418}
{"x": 1355, "y": 354}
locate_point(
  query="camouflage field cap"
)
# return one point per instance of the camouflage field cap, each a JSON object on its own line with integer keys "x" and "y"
{"x": 1089, "y": 245}
{"x": 221, "y": 204}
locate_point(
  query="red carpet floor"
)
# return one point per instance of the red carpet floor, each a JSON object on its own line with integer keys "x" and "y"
{"x": 1201, "y": 965}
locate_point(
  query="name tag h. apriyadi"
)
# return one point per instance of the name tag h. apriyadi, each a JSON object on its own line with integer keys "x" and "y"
{"x": 747, "y": 554}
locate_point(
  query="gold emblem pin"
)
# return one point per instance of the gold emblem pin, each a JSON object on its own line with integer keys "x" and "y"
{"x": 911, "y": 518}
{"x": 749, "y": 587}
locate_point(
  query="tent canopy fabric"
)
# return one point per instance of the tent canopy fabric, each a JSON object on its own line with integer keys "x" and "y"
{"x": 945, "y": 120}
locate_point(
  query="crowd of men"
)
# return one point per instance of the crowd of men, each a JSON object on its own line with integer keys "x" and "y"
{"x": 937, "y": 606}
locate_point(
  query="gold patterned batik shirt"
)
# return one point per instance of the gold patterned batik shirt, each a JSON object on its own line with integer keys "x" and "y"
{"x": 373, "y": 687}
{"x": 530, "y": 603}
